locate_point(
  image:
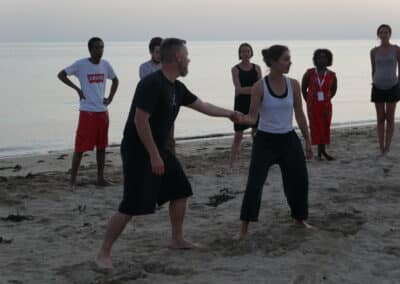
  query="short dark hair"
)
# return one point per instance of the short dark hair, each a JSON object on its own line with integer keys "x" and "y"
{"x": 327, "y": 53}
{"x": 245, "y": 44}
{"x": 169, "y": 47}
{"x": 273, "y": 53}
{"x": 384, "y": 26}
{"x": 155, "y": 41}
{"x": 92, "y": 41}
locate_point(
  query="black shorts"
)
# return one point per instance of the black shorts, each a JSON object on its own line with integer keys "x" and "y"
{"x": 391, "y": 95}
{"x": 242, "y": 104}
{"x": 143, "y": 189}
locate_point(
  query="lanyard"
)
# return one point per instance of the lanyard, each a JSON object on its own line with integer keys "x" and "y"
{"x": 320, "y": 83}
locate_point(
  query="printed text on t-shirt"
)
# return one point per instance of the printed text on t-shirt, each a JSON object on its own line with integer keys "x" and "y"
{"x": 95, "y": 78}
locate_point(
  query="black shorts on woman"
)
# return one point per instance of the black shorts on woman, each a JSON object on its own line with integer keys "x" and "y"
{"x": 390, "y": 95}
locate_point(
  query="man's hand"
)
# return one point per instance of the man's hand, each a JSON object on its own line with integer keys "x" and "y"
{"x": 309, "y": 152}
{"x": 236, "y": 116}
{"x": 157, "y": 164}
{"x": 80, "y": 94}
{"x": 107, "y": 101}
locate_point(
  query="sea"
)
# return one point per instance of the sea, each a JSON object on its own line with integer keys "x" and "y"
{"x": 39, "y": 114}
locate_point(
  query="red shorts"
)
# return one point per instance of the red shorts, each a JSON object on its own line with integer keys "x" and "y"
{"x": 92, "y": 131}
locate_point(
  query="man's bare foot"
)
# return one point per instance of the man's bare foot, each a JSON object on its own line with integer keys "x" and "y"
{"x": 104, "y": 261}
{"x": 103, "y": 183}
{"x": 181, "y": 244}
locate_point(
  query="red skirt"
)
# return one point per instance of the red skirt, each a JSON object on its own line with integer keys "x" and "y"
{"x": 320, "y": 117}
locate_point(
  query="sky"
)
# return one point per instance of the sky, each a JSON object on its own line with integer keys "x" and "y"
{"x": 130, "y": 20}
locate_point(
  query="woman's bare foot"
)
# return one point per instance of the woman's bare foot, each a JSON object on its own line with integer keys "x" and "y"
{"x": 104, "y": 261}
{"x": 304, "y": 224}
{"x": 181, "y": 244}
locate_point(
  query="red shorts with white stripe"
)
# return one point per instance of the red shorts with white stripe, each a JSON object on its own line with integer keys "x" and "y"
{"x": 92, "y": 131}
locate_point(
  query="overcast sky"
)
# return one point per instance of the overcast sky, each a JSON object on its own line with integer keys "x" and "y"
{"x": 127, "y": 20}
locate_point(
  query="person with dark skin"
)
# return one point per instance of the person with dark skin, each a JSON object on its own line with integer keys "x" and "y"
{"x": 152, "y": 173}
{"x": 274, "y": 100}
{"x": 385, "y": 93}
{"x": 93, "y": 122}
{"x": 319, "y": 86}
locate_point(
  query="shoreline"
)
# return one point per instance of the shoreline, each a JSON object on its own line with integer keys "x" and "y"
{"x": 185, "y": 139}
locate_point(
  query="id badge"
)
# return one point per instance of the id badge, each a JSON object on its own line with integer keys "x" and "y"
{"x": 321, "y": 96}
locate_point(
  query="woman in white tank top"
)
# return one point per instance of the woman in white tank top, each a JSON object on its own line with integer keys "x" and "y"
{"x": 275, "y": 98}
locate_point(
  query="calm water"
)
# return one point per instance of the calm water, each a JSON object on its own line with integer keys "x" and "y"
{"x": 39, "y": 113}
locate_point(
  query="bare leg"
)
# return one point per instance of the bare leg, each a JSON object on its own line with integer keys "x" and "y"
{"x": 390, "y": 111}
{"x": 380, "y": 117}
{"x": 177, "y": 209}
{"x": 76, "y": 161}
{"x": 114, "y": 229}
{"x": 323, "y": 151}
{"x": 237, "y": 139}
{"x": 244, "y": 229}
{"x": 101, "y": 158}
{"x": 253, "y": 133}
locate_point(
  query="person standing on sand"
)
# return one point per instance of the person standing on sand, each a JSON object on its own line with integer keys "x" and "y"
{"x": 152, "y": 173}
{"x": 274, "y": 98}
{"x": 92, "y": 130}
{"x": 244, "y": 75}
{"x": 385, "y": 61}
{"x": 319, "y": 86}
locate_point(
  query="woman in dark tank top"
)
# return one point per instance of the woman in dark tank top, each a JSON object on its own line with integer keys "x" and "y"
{"x": 244, "y": 75}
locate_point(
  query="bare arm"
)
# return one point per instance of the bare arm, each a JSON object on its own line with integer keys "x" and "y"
{"x": 334, "y": 87}
{"x": 236, "y": 82}
{"x": 212, "y": 110}
{"x": 257, "y": 93}
{"x": 144, "y": 131}
{"x": 301, "y": 118}
{"x": 304, "y": 86}
{"x": 259, "y": 73}
{"x": 62, "y": 75}
{"x": 372, "y": 57}
{"x": 398, "y": 63}
{"x": 113, "y": 90}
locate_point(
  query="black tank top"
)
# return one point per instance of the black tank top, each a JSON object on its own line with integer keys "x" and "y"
{"x": 247, "y": 78}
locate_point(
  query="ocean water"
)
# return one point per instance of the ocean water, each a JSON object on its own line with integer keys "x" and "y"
{"x": 39, "y": 113}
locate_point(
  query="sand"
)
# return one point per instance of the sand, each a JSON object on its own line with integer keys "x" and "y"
{"x": 49, "y": 234}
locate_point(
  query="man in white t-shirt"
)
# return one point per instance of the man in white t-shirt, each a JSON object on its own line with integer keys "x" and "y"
{"x": 154, "y": 63}
{"x": 92, "y": 131}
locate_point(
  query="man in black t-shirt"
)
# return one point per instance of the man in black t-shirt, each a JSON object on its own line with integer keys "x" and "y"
{"x": 152, "y": 174}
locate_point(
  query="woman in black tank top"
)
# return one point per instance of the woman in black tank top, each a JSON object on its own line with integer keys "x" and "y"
{"x": 244, "y": 75}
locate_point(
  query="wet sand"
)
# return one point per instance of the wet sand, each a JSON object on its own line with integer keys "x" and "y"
{"x": 49, "y": 234}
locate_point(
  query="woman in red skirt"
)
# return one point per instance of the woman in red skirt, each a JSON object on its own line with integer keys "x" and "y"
{"x": 319, "y": 86}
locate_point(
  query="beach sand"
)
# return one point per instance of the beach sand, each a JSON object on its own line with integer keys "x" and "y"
{"x": 52, "y": 235}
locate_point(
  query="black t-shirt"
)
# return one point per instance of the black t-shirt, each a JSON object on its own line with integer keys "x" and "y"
{"x": 162, "y": 99}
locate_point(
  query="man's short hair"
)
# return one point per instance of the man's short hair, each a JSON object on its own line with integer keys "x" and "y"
{"x": 154, "y": 42}
{"x": 92, "y": 41}
{"x": 169, "y": 47}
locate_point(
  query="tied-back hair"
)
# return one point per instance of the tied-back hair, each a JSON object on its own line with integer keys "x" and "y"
{"x": 245, "y": 44}
{"x": 273, "y": 53}
{"x": 154, "y": 42}
{"x": 92, "y": 41}
{"x": 169, "y": 48}
{"x": 325, "y": 51}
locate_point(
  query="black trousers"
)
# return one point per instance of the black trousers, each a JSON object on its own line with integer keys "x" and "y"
{"x": 286, "y": 151}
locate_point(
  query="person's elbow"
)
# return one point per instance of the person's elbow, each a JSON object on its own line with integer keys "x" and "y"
{"x": 62, "y": 75}
{"x": 115, "y": 80}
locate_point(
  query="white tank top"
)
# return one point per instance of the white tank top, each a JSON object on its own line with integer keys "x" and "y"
{"x": 276, "y": 113}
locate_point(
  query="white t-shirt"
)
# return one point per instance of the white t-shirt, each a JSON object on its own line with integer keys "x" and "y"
{"x": 147, "y": 68}
{"x": 92, "y": 78}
